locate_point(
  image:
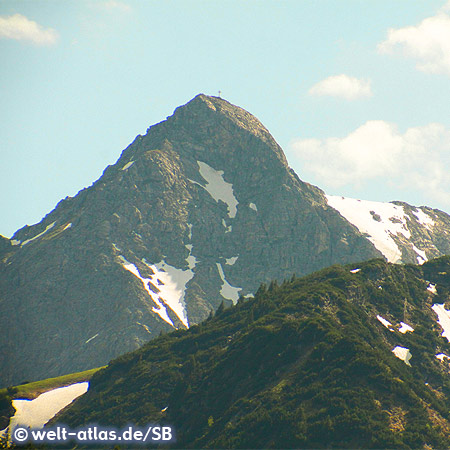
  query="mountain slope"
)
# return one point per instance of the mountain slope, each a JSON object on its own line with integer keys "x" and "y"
{"x": 319, "y": 362}
{"x": 199, "y": 210}
{"x": 401, "y": 232}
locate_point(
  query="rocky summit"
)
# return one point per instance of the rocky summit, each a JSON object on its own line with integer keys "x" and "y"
{"x": 200, "y": 210}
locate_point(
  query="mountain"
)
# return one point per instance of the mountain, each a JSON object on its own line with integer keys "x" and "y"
{"x": 198, "y": 211}
{"x": 401, "y": 232}
{"x": 352, "y": 356}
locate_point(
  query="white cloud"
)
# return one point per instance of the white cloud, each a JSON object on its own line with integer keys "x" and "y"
{"x": 343, "y": 86}
{"x": 417, "y": 160}
{"x": 428, "y": 42}
{"x": 20, "y": 28}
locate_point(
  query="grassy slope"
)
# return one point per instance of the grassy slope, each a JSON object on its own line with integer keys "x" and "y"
{"x": 36, "y": 388}
{"x": 306, "y": 364}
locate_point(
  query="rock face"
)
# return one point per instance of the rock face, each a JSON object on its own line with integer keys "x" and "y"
{"x": 200, "y": 210}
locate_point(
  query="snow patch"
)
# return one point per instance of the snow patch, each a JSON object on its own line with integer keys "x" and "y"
{"x": 190, "y": 231}
{"x": 355, "y": 270}
{"x": 405, "y": 328}
{"x": 127, "y": 165}
{"x": 403, "y": 353}
{"x": 90, "y": 339}
{"x": 227, "y": 228}
{"x": 174, "y": 288}
{"x": 69, "y": 225}
{"x": 432, "y": 288}
{"x": 231, "y": 261}
{"x": 441, "y": 356}
{"x": 228, "y": 291}
{"x": 385, "y": 322}
{"x": 36, "y": 413}
{"x": 443, "y": 319}
{"x": 253, "y": 206}
{"x": 38, "y": 235}
{"x": 15, "y": 242}
{"x": 191, "y": 259}
{"x": 218, "y": 188}
{"x": 423, "y": 218}
{"x": 380, "y": 221}
{"x": 421, "y": 256}
{"x": 161, "y": 308}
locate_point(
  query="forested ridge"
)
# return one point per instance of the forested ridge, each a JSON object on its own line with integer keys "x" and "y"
{"x": 305, "y": 364}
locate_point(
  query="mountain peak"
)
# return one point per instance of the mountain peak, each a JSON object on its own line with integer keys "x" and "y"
{"x": 209, "y": 108}
{"x": 197, "y": 212}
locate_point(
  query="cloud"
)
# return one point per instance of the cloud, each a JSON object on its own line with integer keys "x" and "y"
{"x": 428, "y": 42}
{"x": 20, "y": 28}
{"x": 446, "y": 7}
{"x": 417, "y": 160}
{"x": 342, "y": 86}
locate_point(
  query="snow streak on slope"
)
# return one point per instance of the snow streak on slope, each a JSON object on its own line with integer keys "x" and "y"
{"x": 191, "y": 259}
{"x": 385, "y": 322}
{"x": 421, "y": 256}
{"x": 228, "y": 229}
{"x": 36, "y": 413}
{"x": 175, "y": 281}
{"x": 173, "y": 288}
{"x": 228, "y": 291}
{"x": 423, "y": 218}
{"x": 38, "y": 235}
{"x": 218, "y": 188}
{"x": 166, "y": 287}
{"x": 379, "y": 220}
{"x": 443, "y": 319}
{"x": 91, "y": 338}
{"x": 147, "y": 282}
{"x": 127, "y": 165}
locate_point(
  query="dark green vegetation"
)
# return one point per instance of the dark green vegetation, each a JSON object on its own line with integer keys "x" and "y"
{"x": 303, "y": 365}
{"x": 6, "y": 408}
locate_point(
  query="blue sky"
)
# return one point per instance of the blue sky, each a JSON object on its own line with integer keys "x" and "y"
{"x": 357, "y": 92}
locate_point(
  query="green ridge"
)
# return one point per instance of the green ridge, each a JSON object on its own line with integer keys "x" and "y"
{"x": 303, "y": 365}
